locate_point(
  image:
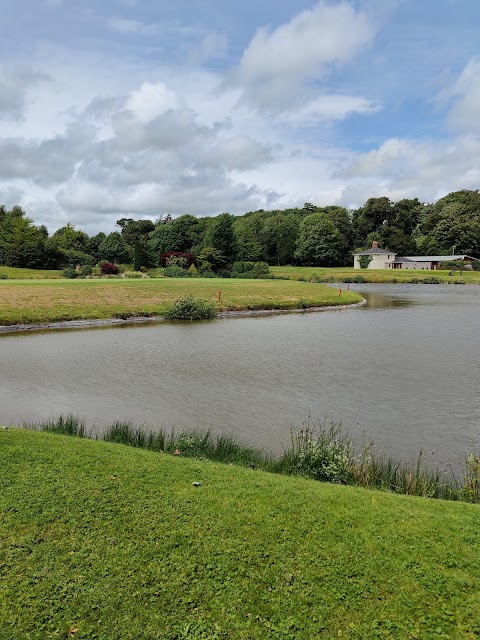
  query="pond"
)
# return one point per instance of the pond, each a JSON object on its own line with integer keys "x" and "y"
{"x": 402, "y": 370}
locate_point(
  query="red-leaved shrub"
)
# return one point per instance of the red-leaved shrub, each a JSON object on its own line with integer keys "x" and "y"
{"x": 108, "y": 268}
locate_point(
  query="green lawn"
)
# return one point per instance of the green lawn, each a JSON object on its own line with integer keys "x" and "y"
{"x": 44, "y": 301}
{"x": 373, "y": 275}
{"x": 105, "y": 541}
{"x": 14, "y": 273}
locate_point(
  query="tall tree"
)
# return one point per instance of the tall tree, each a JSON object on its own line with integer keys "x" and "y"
{"x": 114, "y": 248}
{"x": 179, "y": 234}
{"x": 221, "y": 235}
{"x": 319, "y": 242}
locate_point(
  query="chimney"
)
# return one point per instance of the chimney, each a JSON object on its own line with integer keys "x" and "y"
{"x": 374, "y": 244}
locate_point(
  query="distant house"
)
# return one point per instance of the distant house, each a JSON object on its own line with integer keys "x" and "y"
{"x": 377, "y": 258}
{"x": 374, "y": 258}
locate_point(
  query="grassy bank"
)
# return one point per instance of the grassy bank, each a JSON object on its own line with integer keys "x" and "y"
{"x": 104, "y": 541}
{"x": 345, "y": 274}
{"x": 319, "y": 451}
{"x": 48, "y": 301}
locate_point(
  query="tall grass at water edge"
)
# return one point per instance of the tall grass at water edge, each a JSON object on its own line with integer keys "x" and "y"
{"x": 321, "y": 452}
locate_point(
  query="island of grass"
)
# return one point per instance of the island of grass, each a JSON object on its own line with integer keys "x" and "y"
{"x": 46, "y": 301}
{"x": 100, "y": 540}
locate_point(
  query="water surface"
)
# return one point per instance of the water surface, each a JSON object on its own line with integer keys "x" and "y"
{"x": 403, "y": 370}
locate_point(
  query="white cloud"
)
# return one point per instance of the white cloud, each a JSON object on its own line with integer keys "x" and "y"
{"x": 151, "y": 100}
{"x": 277, "y": 64}
{"x": 464, "y": 114}
{"x": 333, "y": 107}
{"x": 408, "y": 169}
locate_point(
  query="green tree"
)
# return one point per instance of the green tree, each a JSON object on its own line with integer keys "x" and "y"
{"x": 22, "y": 244}
{"x": 279, "y": 236}
{"x": 114, "y": 248}
{"x": 370, "y": 218}
{"x": 319, "y": 241}
{"x": 453, "y": 223}
{"x": 68, "y": 237}
{"x": 221, "y": 235}
{"x": 211, "y": 258}
{"x": 179, "y": 234}
{"x": 140, "y": 256}
{"x": 133, "y": 230}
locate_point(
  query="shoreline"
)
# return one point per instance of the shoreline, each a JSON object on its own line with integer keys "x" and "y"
{"x": 112, "y": 322}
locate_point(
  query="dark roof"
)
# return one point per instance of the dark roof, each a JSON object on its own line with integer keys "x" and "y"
{"x": 370, "y": 251}
{"x": 402, "y": 259}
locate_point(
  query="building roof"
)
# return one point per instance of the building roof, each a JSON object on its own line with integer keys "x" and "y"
{"x": 401, "y": 259}
{"x": 375, "y": 251}
{"x": 438, "y": 258}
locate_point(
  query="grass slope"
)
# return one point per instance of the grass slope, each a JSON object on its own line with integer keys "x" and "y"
{"x": 104, "y": 541}
{"x": 47, "y": 301}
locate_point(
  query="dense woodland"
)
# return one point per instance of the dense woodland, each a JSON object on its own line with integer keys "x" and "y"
{"x": 314, "y": 236}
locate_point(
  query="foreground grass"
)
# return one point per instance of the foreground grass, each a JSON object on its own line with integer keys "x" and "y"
{"x": 103, "y": 541}
{"x": 342, "y": 274}
{"x": 56, "y": 300}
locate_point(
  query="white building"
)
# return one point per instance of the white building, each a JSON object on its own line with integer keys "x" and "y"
{"x": 377, "y": 258}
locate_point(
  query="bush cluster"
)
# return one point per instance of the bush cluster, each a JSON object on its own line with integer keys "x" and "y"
{"x": 190, "y": 308}
{"x": 244, "y": 269}
{"x": 70, "y": 273}
{"x": 426, "y": 280}
{"x": 177, "y": 257}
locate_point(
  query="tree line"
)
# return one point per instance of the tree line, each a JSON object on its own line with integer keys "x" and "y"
{"x": 311, "y": 235}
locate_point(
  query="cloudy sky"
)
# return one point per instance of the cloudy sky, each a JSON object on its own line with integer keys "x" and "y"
{"x": 137, "y": 108}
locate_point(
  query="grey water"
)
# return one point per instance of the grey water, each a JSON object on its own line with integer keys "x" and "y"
{"x": 402, "y": 371}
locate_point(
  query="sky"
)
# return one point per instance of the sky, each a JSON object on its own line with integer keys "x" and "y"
{"x": 139, "y": 108}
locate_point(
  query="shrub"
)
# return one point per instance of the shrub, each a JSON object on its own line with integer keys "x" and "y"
{"x": 245, "y": 269}
{"x": 192, "y": 271}
{"x": 364, "y": 261}
{"x": 174, "y": 257}
{"x": 108, "y": 268}
{"x": 70, "y": 273}
{"x": 85, "y": 270}
{"x": 3, "y": 276}
{"x": 174, "y": 271}
{"x": 190, "y": 308}
{"x": 321, "y": 453}
{"x": 359, "y": 279}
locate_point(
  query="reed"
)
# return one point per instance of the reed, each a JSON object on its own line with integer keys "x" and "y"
{"x": 322, "y": 452}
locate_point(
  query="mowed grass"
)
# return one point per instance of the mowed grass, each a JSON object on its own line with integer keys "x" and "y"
{"x": 15, "y": 273}
{"x": 56, "y": 300}
{"x": 339, "y": 274}
{"x": 103, "y": 541}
